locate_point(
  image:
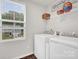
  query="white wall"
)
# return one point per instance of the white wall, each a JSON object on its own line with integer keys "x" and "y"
{"x": 67, "y": 22}
{"x": 35, "y": 24}
{"x": 9, "y": 50}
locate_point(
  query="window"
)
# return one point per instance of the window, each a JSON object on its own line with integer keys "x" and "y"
{"x": 12, "y": 20}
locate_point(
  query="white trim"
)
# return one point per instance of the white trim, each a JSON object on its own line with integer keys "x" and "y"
{"x": 11, "y": 40}
{"x": 15, "y": 21}
{"x": 23, "y": 55}
{"x": 13, "y": 28}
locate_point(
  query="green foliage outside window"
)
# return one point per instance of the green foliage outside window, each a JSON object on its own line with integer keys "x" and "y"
{"x": 11, "y": 15}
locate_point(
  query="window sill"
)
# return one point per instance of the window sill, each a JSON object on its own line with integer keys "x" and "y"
{"x": 11, "y": 40}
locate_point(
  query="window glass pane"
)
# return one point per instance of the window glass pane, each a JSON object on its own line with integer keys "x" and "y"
{"x": 19, "y": 33}
{"x": 7, "y": 25}
{"x": 7, "y": 34}
{"x": 12, "y": 11}
{"x": 19, "y": 25}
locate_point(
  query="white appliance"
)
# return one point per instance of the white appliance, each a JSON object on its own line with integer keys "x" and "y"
{"x": 63, "y": 48}
{"x": 55, "y": 47}
{"x": 40, "y": 45}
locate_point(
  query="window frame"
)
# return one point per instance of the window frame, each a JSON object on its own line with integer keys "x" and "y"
{"x": 24, "y": 22}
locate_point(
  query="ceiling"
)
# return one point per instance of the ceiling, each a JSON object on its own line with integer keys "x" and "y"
{"x": 44, "y": 3}
{"x": 39, "y": 2}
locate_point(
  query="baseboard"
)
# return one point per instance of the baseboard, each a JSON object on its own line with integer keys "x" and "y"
{"x": 32, "y": 56}
{"x": 24, "y": 55}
